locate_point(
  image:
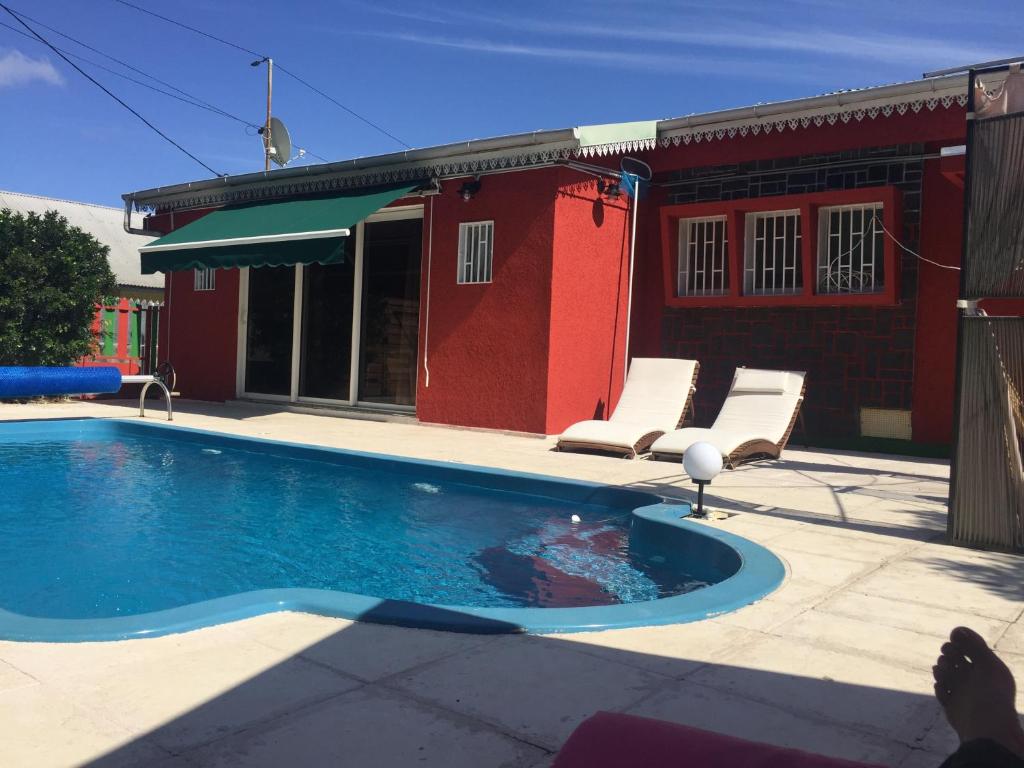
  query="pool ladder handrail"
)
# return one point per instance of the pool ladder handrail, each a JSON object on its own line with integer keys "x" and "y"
{"x": 165, "y": 371}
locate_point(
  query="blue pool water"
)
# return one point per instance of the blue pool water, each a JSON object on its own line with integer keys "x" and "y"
{"x": 114, "y": 520}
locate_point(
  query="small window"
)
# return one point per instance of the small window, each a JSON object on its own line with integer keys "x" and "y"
{"x": 851, "y": 249}
{"x": 703, "y": 257}
{"x": 205, "y": 280}
{"x": 772, "y": 263}
{"x": 476, "y": 248}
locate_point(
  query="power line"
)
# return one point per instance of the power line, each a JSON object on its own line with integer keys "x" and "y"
{"x": 191, "y": 29}
{"x": 185, "y": 99}
{"x": 198, "y": 101}
{"x": 251, "y": 52}
{"x": 339, "y": 104}
{"x": 107, "y": 91}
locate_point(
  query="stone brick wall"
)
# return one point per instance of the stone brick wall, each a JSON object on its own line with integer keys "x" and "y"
{"x": 854, "y": 356}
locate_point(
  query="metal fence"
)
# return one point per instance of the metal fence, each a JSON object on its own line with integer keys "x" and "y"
{"x": 987, "y": 484}
{"x": 988, "y": 497}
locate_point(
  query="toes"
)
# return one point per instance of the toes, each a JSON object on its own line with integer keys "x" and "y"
{"x": 943, "y": 694}
{"x": 953, "y": 655}
{"x": 969, "y": 643}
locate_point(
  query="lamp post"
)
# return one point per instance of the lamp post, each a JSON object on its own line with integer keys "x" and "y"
{"x": 702, "y": 462}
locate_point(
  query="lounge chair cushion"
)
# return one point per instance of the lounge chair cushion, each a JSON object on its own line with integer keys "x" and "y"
{"x": 760, "y": 406}
{"x": 607, "y": 433}
{"x": 656, "y": 393}
{"x": 766, "y": 382}
{"x": 613, "y": 740}
{"x": 677, "y": 441}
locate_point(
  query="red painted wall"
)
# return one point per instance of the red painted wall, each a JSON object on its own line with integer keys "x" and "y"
{"x": 487, "y": 345}
{"x": 198, "y": 334}
{"x": 935, "y": 340}
{"x": 590, "y": 259}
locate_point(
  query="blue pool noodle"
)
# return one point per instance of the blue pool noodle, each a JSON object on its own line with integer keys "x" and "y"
{"x": 37, "y": 381}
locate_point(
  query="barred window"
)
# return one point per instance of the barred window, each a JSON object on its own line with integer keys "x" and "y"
{"x": 772, "y": 264}
{"x": 476, "y": 248}
{"x": 851, "y": 249}
{"x": 703, "y": 257}
{"x": 205, "y": 280}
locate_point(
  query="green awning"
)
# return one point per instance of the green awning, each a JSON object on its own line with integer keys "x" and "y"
{"x": 303, "y": 231}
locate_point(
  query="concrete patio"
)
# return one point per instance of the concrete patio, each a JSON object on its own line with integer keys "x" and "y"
{"x": 836, "y": 661}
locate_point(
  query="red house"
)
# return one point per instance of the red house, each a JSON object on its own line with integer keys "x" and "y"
{"x": 487, "y": 283}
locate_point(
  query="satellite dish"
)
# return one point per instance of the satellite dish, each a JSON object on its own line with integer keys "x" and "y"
{"x": 635, "y": 167}
{"x": 280, "y": 143}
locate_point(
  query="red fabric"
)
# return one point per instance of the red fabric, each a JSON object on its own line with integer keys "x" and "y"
{"x": 609, "y": 740}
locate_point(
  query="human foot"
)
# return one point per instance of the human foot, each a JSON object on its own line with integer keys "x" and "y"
{"x": 977, "y": 691}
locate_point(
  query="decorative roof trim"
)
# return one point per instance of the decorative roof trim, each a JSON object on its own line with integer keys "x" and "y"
{"x": 824, "y": 116}
{"x": 547, "y": 147}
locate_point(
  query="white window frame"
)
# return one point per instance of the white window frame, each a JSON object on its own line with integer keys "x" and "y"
{"x": 476, "y": 252}
{"x": 835, "y": 273}
{"x": 712, "y": 278}
{"x": 204, "y": 279}
{"x": 755, "y": 283}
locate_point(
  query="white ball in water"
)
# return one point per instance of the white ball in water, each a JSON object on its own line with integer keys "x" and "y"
{"x": 576, "y": 519}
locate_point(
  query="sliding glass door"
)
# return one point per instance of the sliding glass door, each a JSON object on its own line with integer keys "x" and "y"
{"x": 390, "y": 312}
{"x": 327, "y": 300}
{"x": 343, "y": 333}
{"x": 268, "y": 333}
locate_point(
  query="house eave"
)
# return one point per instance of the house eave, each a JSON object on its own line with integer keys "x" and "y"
{"x": 540, "y": 148}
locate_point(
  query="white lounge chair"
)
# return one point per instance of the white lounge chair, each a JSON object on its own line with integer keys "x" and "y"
{"x": 655, "y": 399}
{"x": 755, "y": 422}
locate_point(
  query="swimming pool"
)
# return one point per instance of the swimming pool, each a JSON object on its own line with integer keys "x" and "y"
{"x": 114, "y": 529}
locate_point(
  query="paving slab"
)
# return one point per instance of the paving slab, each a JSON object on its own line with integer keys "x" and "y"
{"x": 674, "y": 650}
{"x": 925, "y": 619}
{"x": 11, "y": 678}
{"x": 822, "y": 569}
{"x": 942, "y": 580}
{"x": 538, "y": 688}
{"x": 40, "y": 728}
{"x": 864, "y": 638}
{"x": 362, "y": 650}
{"x": 866, "y": 548}
{"x": 849, "y": 689}
{"x": 196, "y": 696}
{"x": 370, "y": 727}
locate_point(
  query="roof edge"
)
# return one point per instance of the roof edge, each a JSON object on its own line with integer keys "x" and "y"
{"x": 543, "y": 147}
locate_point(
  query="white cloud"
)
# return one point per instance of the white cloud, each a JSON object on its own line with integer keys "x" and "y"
{"x": 599, "y": 56}
{"x": 18, "y": 69}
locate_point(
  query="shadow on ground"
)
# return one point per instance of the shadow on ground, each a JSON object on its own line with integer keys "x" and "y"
{"x": 372, "y": 695}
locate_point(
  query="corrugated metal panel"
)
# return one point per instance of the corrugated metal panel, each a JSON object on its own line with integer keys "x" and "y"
{"x": 994, "y": 261}
{"x": 103, "y": 223}
{"x": 988, "y": 495}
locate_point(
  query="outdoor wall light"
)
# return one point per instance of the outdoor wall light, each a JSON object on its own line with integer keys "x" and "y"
{"x": 469, "y": 189}
{"x": 702, "y": 462}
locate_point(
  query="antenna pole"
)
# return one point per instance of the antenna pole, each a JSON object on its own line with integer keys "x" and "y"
{"x": 266, "y": 128}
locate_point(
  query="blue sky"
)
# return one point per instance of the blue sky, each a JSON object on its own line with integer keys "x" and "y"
{"x": 432, "y": 73}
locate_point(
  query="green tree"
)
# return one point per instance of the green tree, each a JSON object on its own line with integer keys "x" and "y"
{"x": 52, "y": 275}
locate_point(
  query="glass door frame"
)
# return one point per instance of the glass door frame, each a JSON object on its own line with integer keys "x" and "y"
{"x": 396, "y": 213}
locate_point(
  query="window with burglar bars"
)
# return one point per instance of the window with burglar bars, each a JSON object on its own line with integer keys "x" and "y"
{"x": 851, "y": 249}
{"x": 703, "y": 257}
{"x": 205, "y": 280}
{"x": 476, "y": 248}
{"x": 772, "y": 260}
